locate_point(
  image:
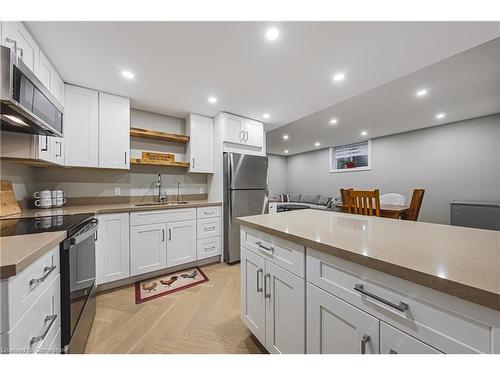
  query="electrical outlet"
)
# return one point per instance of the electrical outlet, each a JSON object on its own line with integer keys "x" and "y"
{"x": 117, "y": 191}
{"x": 202, "y": 189}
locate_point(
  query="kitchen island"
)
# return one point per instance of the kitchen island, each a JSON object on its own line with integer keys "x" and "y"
{"x": 327, "y": 282}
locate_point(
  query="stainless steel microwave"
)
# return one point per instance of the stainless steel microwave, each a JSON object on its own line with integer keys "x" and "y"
{"x": 27, "y": 106}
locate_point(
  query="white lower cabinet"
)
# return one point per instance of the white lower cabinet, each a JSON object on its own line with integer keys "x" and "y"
{"x": 209, "y": 247}
{"x": 181, "y": 242}
{"x": 148, "y": 248}
{"x": 272, "y": 304}
{"x": 336, "y": 327}
{"x": 394, "y": 341}
{"x": 113, "y": 247}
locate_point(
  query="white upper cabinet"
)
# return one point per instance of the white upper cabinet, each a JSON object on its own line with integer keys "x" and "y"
{"x": 114, "y": 131}
{"x": 57, "y": 87}
{"x": 241, "y": 134}
{"x": 199, "y": 152}
{"x": 15, "y": 36}
{"x": 234, "y": 129}
{"x": 44, "y": 71}
{"x": 81, "y": 127}
{"x": 254, "y": 133}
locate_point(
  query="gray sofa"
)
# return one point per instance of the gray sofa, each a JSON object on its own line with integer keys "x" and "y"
{"x": 315, "y": 201}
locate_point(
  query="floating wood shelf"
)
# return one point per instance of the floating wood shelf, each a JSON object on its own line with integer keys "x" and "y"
{"x": 163, "y": 136}
{"x": 181, "y": 164}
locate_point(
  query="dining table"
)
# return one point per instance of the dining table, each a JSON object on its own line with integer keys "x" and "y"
{"x": 393, "y": 211}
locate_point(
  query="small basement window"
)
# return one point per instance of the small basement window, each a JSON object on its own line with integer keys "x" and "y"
{"x": 350, "y": 158}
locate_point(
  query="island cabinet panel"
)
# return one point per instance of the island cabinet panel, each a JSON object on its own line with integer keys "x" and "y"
{"x": 113, "y": 247}
{"x": 252, "y": 309}
{"x": 336, "y": 327}
{"x": 272, "y": 304}
{"x": 393, "y": 341}
{"x": 148, "y": 248}
{"x": 286, "y": 254}
{"x": 285, "y": 311}
{"x": 446, "y": 323}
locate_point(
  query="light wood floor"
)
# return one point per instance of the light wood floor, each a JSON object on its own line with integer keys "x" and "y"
{"x": 201, "y": 319}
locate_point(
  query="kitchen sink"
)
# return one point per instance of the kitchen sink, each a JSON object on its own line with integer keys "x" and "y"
{"x": 160, "y": 204}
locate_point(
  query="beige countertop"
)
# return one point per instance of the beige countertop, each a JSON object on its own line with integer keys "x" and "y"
{"x": 18, "y": 252}
{"x": 106, "y": 208}
{"x": 463, "y": 262}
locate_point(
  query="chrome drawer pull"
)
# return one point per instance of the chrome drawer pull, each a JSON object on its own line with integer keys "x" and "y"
{"x": 51, "y": 319}
{"x": 270, "y": 248}
{"x": 46, "y": 272}
{"x": 210, "y": 248}
{"x": 400, "y": 307}
{"x": 259, "y": 288}
{"x": 364, "y": 340}
{"x": 209, "y": 229}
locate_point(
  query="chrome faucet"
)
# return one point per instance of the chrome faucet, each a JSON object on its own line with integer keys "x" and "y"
{"x": 158, "y": 185}
{"x": 178, "y": 192}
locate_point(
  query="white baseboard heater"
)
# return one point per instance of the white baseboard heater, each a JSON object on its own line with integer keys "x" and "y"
{"x": 475, "y": 215}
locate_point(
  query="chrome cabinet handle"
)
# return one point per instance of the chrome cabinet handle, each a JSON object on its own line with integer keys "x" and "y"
{"x": 266, "y": 293}
{"x": 163, "y": 235}
{"x": 364, "y": 340}
{"x": 401, "y": 306}
{"x": 210, "y": 248}
{"x": 46, "y": 147}
{"x": 242, "y": 136}
{"x": 51, "y": 319}
{"x": 125, "y": 159}
{"x": 209, "y": 228}
{"x": 259, "y": 288}
{"x": 169, "y": 234}
{"x": 246, "y": 137}
{"x": 60, "y": 149}
{"x": 270, "y": 249}
{"x": 193, "y": 163}
{"x": 46, "y": 272}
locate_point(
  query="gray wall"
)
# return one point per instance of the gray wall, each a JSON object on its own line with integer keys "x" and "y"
{"x": 22, "y": 177}
{"x": 459, "y": 161}
{"x": 277, "y": 175}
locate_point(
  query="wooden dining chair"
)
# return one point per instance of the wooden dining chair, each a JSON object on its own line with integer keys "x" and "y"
{"x": 415, "y": 204}
{"x": 364, "y": 202}
{"x": 344, "y": 195}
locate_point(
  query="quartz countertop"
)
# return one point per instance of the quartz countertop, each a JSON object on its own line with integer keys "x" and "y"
{"x": 463, "y": 262}
{"x": 18, "y": 252}
{"x": 107, "y": 208}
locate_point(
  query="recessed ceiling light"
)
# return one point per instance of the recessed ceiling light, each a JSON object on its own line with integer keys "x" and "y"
{"x": 272, "y": 33}
{"x": 128, "y": 74}
{"x": 285, "y": 136}
{"x": 212, "y": 99}
{"x": 339, "y": 77}
{"x": 286, "y": 151}
{"x": 317, "y": 144}
{"x": 334, "y": 121}
{"x": 440, "y": 116}
{"x": 364, "y": 133}
{"x": 422, "y": 92}
{"x": 266, "y": 115}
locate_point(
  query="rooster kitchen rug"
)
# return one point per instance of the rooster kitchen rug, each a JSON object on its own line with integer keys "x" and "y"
{"x": 173, "y": 282}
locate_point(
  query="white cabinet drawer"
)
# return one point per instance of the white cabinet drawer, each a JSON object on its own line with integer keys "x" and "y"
{"x": 286, "y": 254}
{"x": 209, "y": 247}
{"x": 162, "y": 216}
{"x": 210, "y": 227}
{"x": 38, "y": 327}
{"x": 427, "y": 317}
{"x": 19, "y": 292}
{"x": 393, "y": 341}
{"x": 204, "y": 212}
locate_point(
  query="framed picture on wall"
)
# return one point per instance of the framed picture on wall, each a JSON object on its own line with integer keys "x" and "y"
{"x": 351, "y": 158}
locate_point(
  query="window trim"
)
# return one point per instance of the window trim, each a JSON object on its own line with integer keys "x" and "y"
{"x": 332, "y": 164}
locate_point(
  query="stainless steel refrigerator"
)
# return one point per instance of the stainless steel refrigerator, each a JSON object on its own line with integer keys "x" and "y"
{"x": 245, "y": 193}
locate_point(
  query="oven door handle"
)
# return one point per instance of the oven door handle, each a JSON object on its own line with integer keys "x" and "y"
{"x": 83, "y": 236}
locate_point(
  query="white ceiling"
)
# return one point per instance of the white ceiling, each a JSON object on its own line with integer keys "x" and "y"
{"x": 179, "y": 64}
{"x": 464, "y": 86}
